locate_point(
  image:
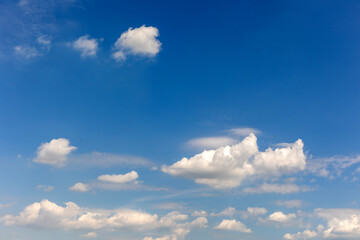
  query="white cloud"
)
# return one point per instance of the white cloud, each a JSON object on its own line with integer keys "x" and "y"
{"x": 233, "y": 225}
{"x": 26, "y": 51}
{"x": 120, "y": 178}
{"x": 227, "y": 167}
{"x": 243, "y": 132}
{"x": 89, "y": 235}
{"x": 44, "y": 42}
{"x": 80, "y": 187}
{"x": 307, "y": 234}
{"x": 281, "y": 217}
{"x": 253, "y": 212}
{"x": 86, "y": 45}
{"x": 54, "y": 152}
{"x": 290, "y": 203}
{"x": 45, "y": 188}
{"x": 274, "y": 188}
{"x": 137, "y": 41}
{"x": 229, "y": 211}
{"x": 71, "y": 217}
{"x": 210, "y": 142}
{"x": 199, "y": 213}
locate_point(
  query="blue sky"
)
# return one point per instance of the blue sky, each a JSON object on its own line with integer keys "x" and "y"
{"x": 172, "y": 120}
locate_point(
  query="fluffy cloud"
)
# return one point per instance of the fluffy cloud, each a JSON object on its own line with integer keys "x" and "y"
{"x": 281, "y": 217}
{"x": 54, "y": 152}
{"x": 120, "y": 178}
{"x": 274, "y": 188}
{"x": 86, "y": 46}
{"x": 199, "y": 214}
{"x": 229, "y": 211}
{"x": 80, "y": 187}
{"x": 137, "y": 41}
{"x": 48, "y": 215}
{"x": 210, "y": 142}
{"x": 233, "y": 225}
{"x": 307, "y": 234}
{"x": 227, "y": 167}
{"x": 254, "y": 212}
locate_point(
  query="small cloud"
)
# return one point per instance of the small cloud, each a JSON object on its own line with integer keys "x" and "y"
{"x": 26, "y": 51}
{"x": 86, "y": 45}
{"x": 253, "y": 212}
{"x": 281, "y": 217}
{"x": 89, "y": 235}
{"x": 229, "y": 211}
{"x": 199, "y": 214}
{"x": 211, "y": 142}
{"x": 44, "y": 41}
{"x": 80, "y": 187}
{"x": 45, "y": 188}
{"x": 137, "y": 41}
{"x": 54, "y": 152}
{"x": 120, "y": 178}
{"x": 233, "y": 225}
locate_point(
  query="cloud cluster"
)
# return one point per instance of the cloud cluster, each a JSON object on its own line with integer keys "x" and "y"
{"x": 342, "y": 223}
{"x": 226, "y": 167}
{"x": 137, "y": 41}
{"x": 281, "y": 217}
{"x": 54, "y": 152}
{"x": 120, "y": 178}
{"x": 48, "y": 215}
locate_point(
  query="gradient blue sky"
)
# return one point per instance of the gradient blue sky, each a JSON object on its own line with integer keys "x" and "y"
{"x": 219, "y": 71}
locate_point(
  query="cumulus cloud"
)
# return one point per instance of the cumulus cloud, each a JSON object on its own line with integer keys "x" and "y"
{"x": 80, "y": 187}
{"x": 87, "y": 46}
{"x": 210, "y": 142}
{"x": 307, "y": 234}
{"x": 120, "y": 178}
{"x": 54, "y": 152}
{"x": 137, "y": 41}
{"x": 281, "y": 217}
{"x": 275, "y": 188}
{"x": 226, "y": 167}
{"x": 233, "y": 225}
{"x": 49, "y": 215}
{"x": 229, "y": 211}
{"x": 253, "y": 212}
{"x": 199, "y": 213}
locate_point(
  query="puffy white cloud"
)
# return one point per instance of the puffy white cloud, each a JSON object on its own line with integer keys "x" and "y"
{"x": 233, "y": 225}
{"x": 253, "y": 212}
{"x": 137, "y": 41}
{"x": 120, "y": 178}
{"x": 290, "y": 203}
{"x": 274, "y": 188}
{"x": 80, "y": 187}
{"x": 54, "y": 152}
{"x": 243, "y": 132}
{"x": 281, "y": 217}
{"x": 307, "y": 234}
{"x": 45, "y": 188}
{"x": 89, "y": 235}
{"x": 86, "y": 45}
{"x": 210, "y": 142}
{"x": 227, "y": 167}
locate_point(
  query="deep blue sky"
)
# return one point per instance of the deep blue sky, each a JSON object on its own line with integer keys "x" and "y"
{"x": 287, "y": 68}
